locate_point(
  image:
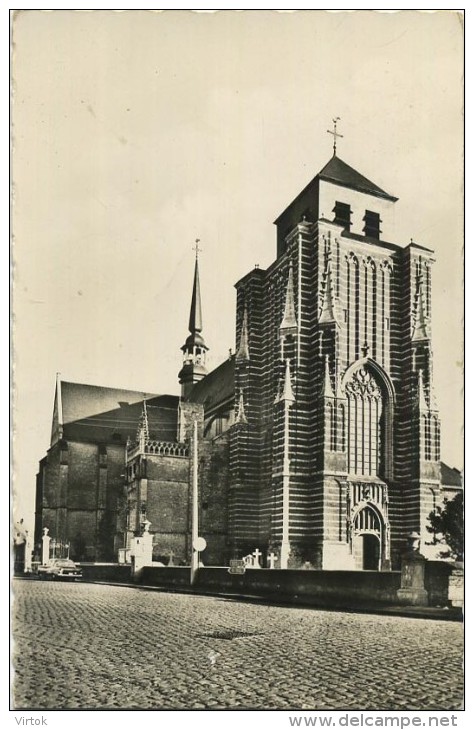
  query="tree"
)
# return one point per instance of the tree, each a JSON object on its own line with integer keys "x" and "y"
{"x": 448, "y": 521}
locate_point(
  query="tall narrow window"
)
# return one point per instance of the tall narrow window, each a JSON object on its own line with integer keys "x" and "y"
{"x": 386, "y": 356}
{"x": 428, "y": 289}
{"x": 357, "y": 309}
{"x": 342, "y": 426}
{"x": 342, "y": 215}
{"x": 364, "y": 403}
{"x": 366, "y": 297}
{"x": 330, "y": 426}
{"x": 372, "y": 224}
{"x": 423, "y": 430}
{"x": 374, "y": 311}
{"x": 437, "y": 450}
{"x": 333, "y": 428}
{"x": 348, "y": 309}
{"x": 382, "y": 330}
{"x": 428, "y": 438}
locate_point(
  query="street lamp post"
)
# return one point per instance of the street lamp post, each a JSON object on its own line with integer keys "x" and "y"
{"x": 194, "y": 513}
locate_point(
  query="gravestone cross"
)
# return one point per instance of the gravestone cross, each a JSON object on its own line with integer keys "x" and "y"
{"x": 271, "y": 559}
{"x": 256, "y": 555}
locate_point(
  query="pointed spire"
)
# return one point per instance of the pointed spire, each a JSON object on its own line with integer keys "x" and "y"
{"x": 57, "y": 424}
{"x": 327, "y": 390}
{"x": 419, "y": 328}
{"x": 241, "y": 417}
{"x": 421, "y": 392}
{"x": 194, "y": 349}
{"x": 242, "y": 354}
{"x": 59, "y": 397}
{"x": 289, "y": 324}
{"x": 145, "y": 419}
{"x": 287, "y": 394}
{"x": 195, "y": 314}
{"x": 143, "y": 433}
{"x": 328, "y": 311}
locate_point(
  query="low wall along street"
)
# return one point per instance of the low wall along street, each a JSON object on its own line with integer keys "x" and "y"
{"x": 325, "y": 588}
{"x": 313, "y": 587}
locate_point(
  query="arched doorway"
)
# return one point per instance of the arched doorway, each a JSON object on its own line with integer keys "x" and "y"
{"x": 367, "y": 538}
{"x": 370, "y": 552}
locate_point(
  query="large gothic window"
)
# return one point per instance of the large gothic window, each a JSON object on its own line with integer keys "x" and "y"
{"x": 364, "y": 424}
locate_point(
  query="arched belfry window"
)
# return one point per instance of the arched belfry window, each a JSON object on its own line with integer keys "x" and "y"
{"x": 369, "y": 416}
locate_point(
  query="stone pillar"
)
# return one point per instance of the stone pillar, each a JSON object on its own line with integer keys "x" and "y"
{"x": 28, "y": 553}
{"x": 455, "y": 586}
{"x": 412, "y": 591}
{"x": 141, "y": 550}
{"x": 45, "y": 550}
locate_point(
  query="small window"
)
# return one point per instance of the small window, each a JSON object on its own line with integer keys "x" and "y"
{"x": 342, "y": 215}
{"x": 372, "y": 224}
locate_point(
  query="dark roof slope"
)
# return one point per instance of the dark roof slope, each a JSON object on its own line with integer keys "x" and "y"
{"x": 450, "y": 476}
{"x": 340, "y": 173}
{"x": 80, "y": 400}
{"x": 215, "y": 388}
{"x": 110, "y": 415}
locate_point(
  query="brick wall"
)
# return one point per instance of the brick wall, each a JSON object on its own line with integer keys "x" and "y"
{"x": 78, "y": 492}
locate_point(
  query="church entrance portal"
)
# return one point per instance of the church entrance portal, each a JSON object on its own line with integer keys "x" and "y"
{"x": 370, "y": 552}
{"x": 367, "y": 534}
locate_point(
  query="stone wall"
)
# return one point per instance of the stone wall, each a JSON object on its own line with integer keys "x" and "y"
{"x": 107, "y": 572}
{"x": 325, "y": 588}
{"x": 335, "y": 589}
{"x": 78, "y": 489}
{"x": 437, "y": 581}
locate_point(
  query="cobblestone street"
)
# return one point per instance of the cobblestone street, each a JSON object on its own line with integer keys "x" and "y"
{"x": 95, "y": 646}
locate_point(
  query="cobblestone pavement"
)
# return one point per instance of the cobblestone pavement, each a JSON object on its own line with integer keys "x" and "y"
{"x": 95, "y": 646}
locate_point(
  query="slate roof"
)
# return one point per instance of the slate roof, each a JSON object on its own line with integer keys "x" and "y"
{"x": 217, "y": 387}
{"x": 341, "y": 173}
{"x": 98, "y": 414}
{"x": 450, "y": 477}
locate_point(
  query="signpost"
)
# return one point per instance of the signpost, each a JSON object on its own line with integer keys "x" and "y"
{"x": 236, "y": 567}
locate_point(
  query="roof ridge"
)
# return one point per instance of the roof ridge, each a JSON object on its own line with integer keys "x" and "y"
{"x": 338, "y": 171}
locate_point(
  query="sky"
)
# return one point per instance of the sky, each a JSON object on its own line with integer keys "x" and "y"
{"x": 136, "y": 132}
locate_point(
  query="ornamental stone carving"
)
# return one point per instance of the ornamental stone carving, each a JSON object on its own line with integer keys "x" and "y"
{"x": 362, "y": 385}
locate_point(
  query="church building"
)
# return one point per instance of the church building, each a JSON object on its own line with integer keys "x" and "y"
{"x": 335, "y": 456}
{"x": 319, "y": 438}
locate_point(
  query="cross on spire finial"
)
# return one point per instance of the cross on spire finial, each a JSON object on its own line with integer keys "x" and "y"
{"x": 196, "y": 247}
{"x": 335, "y": 133}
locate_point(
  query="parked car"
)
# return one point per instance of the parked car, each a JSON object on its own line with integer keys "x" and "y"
{"x": 58, "y": 568}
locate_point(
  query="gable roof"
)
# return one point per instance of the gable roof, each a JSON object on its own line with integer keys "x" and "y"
{"x": 80, "y": 400}
{"x": 341, "y": 173}
{"x": 93, "y": 413}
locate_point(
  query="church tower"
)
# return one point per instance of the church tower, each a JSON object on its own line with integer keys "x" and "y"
{"x": 194, "y": 349}
{"x": 338, "y": 458}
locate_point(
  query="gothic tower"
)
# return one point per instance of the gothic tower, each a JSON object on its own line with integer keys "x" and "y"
{"x": 194, "y": 349}
{"x": 337, "y": 456}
